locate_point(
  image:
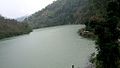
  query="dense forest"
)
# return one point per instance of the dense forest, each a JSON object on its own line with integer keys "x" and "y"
{"x": 97, "y": 12}
{"x": 60, "y": 12}
{"x": 11, "y": 27}
{"x": 104, "y": 23}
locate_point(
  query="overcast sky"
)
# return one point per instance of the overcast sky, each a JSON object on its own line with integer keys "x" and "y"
{"x": 18, "y": 8}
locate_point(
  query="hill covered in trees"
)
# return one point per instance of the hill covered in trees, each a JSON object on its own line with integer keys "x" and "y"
{"x": 60, "y": 12}
{"x": 104, "y": 21}
{"x": 97, "y": 13}
{"x": 11, "y": 27}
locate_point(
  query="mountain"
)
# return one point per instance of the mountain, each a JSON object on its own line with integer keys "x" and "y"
{"x": 20, "y": 19}
{"x": 60, "y": 12}
{"x": 11, "y": 27}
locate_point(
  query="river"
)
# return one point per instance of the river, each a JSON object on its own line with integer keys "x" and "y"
{"x": 52, "y": 47}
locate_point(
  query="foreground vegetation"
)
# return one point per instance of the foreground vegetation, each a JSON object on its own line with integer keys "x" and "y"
{"x": 11, "y": 27}
{"x": 104, "y": 24}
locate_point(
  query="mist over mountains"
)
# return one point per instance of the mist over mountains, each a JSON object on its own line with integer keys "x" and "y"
{"x": 20, "y": 19}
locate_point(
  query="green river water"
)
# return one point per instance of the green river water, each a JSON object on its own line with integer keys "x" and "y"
{"x": 53, "y": 47}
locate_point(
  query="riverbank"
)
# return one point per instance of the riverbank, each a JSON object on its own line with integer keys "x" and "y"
{"x": 86, "y": 34}
{"x": 13, "y": 34}
{"x": 89, "y": 35}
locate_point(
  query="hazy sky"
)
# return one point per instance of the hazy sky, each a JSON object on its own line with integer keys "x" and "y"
{"x": 18, "y": 8}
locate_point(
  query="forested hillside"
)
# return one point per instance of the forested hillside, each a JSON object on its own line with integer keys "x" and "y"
{"x": 96, "y": 14}
{"x": 60, "y": 12}
{"x": 103, "y": 20}
{"x": 11, "y": 27}
{"x": 63, "y": 12}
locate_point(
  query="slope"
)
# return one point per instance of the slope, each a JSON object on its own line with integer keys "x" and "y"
{"x": 60, "y": 12}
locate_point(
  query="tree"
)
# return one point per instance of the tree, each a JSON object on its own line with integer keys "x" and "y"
{"x": 108, "y": 48}
{"x": 11, "y": 27}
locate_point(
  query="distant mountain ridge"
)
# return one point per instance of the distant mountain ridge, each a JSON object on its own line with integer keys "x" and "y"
{"x": 20, "y": 19}
{"x": 60, "y": 12}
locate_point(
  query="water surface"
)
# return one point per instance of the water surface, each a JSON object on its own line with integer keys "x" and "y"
{"x": 53, "y": 47}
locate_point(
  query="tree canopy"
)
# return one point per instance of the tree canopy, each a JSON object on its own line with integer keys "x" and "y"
{"x": 11, "y": 27}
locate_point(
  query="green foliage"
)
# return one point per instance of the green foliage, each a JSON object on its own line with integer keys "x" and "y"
{"x": 108, "y": 48}
{"x": 96, "y": 10}
{"x": 10, "y": 27}
{"x": 60, "y": 12}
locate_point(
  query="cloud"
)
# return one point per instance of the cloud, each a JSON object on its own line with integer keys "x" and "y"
{"x": 18, "y": 8}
